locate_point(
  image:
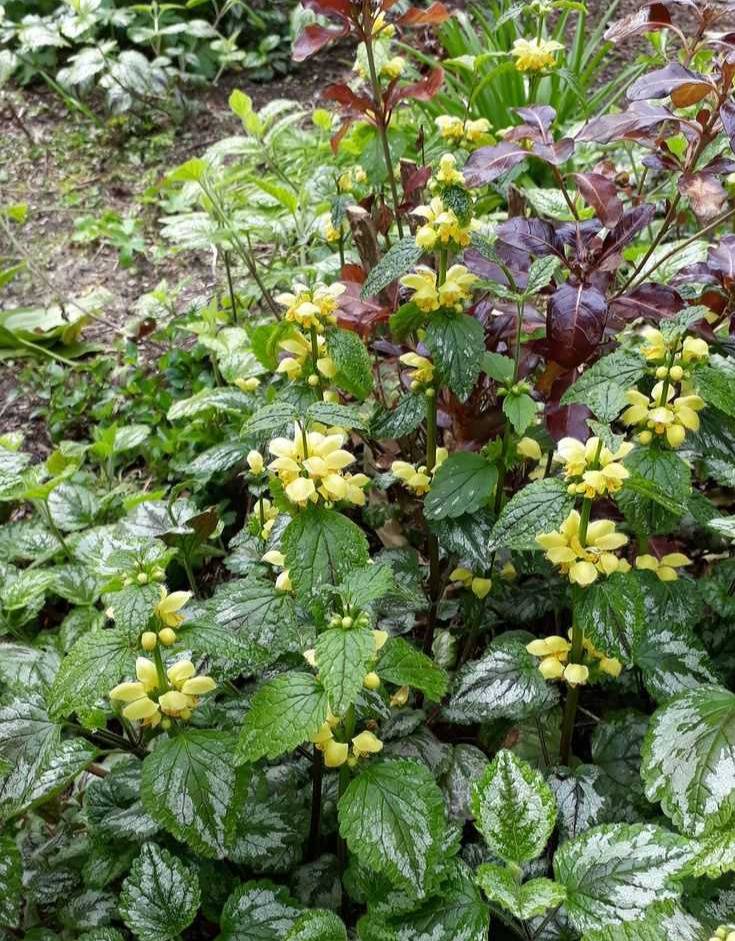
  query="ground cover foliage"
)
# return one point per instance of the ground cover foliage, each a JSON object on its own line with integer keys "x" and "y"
{"x": 392, "y": 598}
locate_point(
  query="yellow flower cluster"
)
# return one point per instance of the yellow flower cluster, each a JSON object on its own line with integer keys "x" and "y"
{"x": 584, "y": 563}
{"x": 312, "y": 464}
{"x": 347, "y": 181}
{"x": 417, "y": 479}
{"x": 657, "y": 348}
{"x": 330, "y": 232}
{"x": 167, "y": 611}
{"x": 535, "y": 55}
{"x": 337, "y": 753}
{"x": 441, "y": 226}
{"x": 147, "y": 701}
{"x": 299, "y": 349}
{"x": 427, "y": 297}
{"x": 554, "y": 652}
{"x": 724, "y": 933}
{"x": 248, "y": 385}
{"x": 312, "y": 307}
{"x": 593, "y": 469}
{"x": 265, "y": 514}
{"x": 673, "y": 416}
{"x": 447, "y": 174}
{"x": 466, "y": 132}
{"x": 665, "y": 567}
{"x": 477, "y": 585}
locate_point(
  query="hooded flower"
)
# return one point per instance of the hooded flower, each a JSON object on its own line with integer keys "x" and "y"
{"x": 312, "y": 307}
{"x": 417, "y": 479}
{"x": 146, "y": 704}
{"x": 591, "y": 466}
{"x": 665, "y": 567}
{"x": 441, "y": 225}
{"x": 535, "y": 55}
{"x": 673, "y": 418}
{"x": 584, "y": 563}
{"x": 169, "y": 607}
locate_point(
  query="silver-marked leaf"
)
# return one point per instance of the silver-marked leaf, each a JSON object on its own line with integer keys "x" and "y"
{"x": 524, "y": 901}
{"x": 468, "y": 764}
{"x": 160, "y": 897}
{"x": 393, "y": 819}
{"x": 611, "y": 613}
{"x": 456, "y": 343}
{"x": 343, "y": 658}
{"x": 317, "y": 925}
{"x": 580, "y": 800}
{"x": 538, "y": 508}
{"x": 401, "y": 663}
{"x": 603, "y": 385}
{"x": 663, "y": 922}
{"x": 689, "y": 759}
{"x": 113, "y": 806}
{"x": 188, "y": 786}
{"x": 321, "y": 546}
{"x": 258, "y": 911}
{"x": 514, "y": 809}
{"x": 32, "y": 781}
{"x": 11, "y": 888}
{"x": 96, "y": 662}
{"x": 672, "y": 659}
{"x": 614, "y": 873}
{"x": 397, "y": 261}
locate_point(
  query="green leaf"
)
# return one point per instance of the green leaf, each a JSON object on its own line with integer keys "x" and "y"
{"x": 396, "y": 262}
{"x": 520, "y": 410}
{"x": 505, "y": 683}
{"x": 188, "y": 786}
{"x": 603, "y": 385}
{"x": 462, "y": 484}
{"x": 393, "y": 819}
{"x": 672, "y": 659}
{"x": 671, "y": 476}
{"x": 514, "y": 809}
{"x": 498, "y": 367}
{"x": 611, "y": 613}
{"x": 343, "y": 658}
{"x": 321, "y": 546}
{"x": 400, "y": 421}
{"x": 113, "y": 806}
{"x": 258, "y": 911}
{"x": 317, "y": 925}
{"x": 72, "y": 506}
{"x": 96, "y": 663}
{"x": 539, "y": 508}
{"x": 456, "y": 343}
{"x": 541, "y": 272}
{"x": 332, "y": 413}
{"x": 714, "y": 855}
{"x": 354, "y": 369}
{"x": 365, "y": 585}
{"x": 689, "y": 759}
{"x": 663, "y": 922}
{"x": 132, "y": 609}
{"x": 271, "y": 419}
{"x": 404, "y": 665}
{"x": 34, "y": 780}
{"x": 466, "y": 537}
{"x": 529, "y": 900}
{"x": 613, "y": 873}
{"x": 225, "y": 400}
{"x": 468, "y": 764}
{"x": 650, "y": 490}
{"x": 160, "y": 897}
{"x": 456, "y": 912}
{"x": 283, "y": 713}
{"x": 716, "y": 387}
{"x": 11, "y": 885}
{"x": 580, "y": 800}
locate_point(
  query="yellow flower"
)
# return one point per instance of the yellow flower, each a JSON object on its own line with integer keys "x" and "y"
{"x": 319, "y": 471}
{"x": 665, "y": 567}
{"x": 448, "y": 174}
{"x": 174, "y": 702}
{"x": 450, "y": 127}
{"x": 423, "y": 368}
{"x": 611, "y": 665}
{"x": 400, "y": 697}
{"x": 672, "y": 418}
{"x": 386, "y": 30}
{"x": 423, "y": 283}
{"x": 476, "y": 130}
{"x": 168, "y": 607}
{"x": 583, "y": 564}
{"x": 415, "y": 479}
{"x": 393, "y": 68}
{"x": 335, "y": 753}
{"x": 654, "y": 346}
{"x": 457, "y": 287}
{"x": 508, "y": 572}
{"x": 380, "y": 638}
{"x": 267, "y": 514}
{"x": 248, "y": 385}
{"x": 594, "y": 463}
{"x": 371, "y": 681}
{"x": 255, "y": 461}
{"x": 167, "y": 637}
{"x": 345, "y": 182}
{"x": 529, "y": 448}
{"x": 534, "y": 55}
{"x": 694, "y": 350}
{"x": 444, "y": 223}
{"x": 478, "y": 586}
{"x": 481, "y": 586}
{"x": 576, "y": 674}
{"x": 551, "y": 668}
{"x": 312, "y": 307}
{"x": 366, "y": 744}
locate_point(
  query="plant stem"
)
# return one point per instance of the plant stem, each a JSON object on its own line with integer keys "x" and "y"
{"x": 432, "y": 541}
{"x": 186, "y": 562}
{"x": 500, "y": 488}
{"x": 570, "y": 706}
{"x": 230, "y": 287}
{"x": 55, "y": 529}
{"x": 380, "y": 113}
{"x": 317, "y": 770}
{"x": 344, "y": 780}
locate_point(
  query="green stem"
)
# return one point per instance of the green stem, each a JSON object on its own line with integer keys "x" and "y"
{"x": 317, "y": 771}
{"x": 160, "y": 669}
{"x": 230, "y": 286}
{"x": 500, "y": 489}
{"x": 570, "y": 706}
{"x": 186, "y": 562}
{"x": 344, "y": 780}
{"x": 584, "y": 520}
{"x": 55, "y": 529}
{"x": 432, "y": 541}
{"x": 315, "y": 352}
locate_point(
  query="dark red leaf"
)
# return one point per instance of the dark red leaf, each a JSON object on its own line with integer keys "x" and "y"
{"x": 352, "y": 272}
{"x": 602, "y": 195}
{"x": 357, "y": 314}
{"x": 345, "y": 96}
{"x": 656, "y": 16}
{"x": 437, "y": 13}
{"x": 423, "y": 90}
{"x": 340, "y": 9}
{"x": 637, "y": 118}
{"x": 652, "y": 301}
{"x": 722, "y": 258}
{"x": 529, "y": 235}
{"x": 488, "y": 163}
{"x": 626, "y": 230}
{"x": 490, "y": 271}
{"x": 705, "y": 193}
{"x": 539, "y": 116}
{"x": 727, "y": 116}
{"x": 663, "y": 82}
{"x": 313, "y": 38}
{"x": 575, "y": 322}
{"x": 556, "y": 153}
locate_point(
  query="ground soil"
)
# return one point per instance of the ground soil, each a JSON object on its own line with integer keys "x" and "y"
{"x": 63, "y": 169}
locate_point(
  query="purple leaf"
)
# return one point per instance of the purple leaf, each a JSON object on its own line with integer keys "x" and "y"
{"x": 602, "y": 195}
{"x": 705, "y": 193}
{"x": 488, "y": 163}
{"x": 652, "y": 301}
{"x": 575, "y": 322}
{"x": 529, "y": 235}
{"x": 626, "y": 230}
{"x": 722, "y": 258}
{"x": 664, "y": 82}
{"x": 556, "y": 153}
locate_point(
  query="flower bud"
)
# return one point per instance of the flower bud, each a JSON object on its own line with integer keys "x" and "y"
{"x": 142, "y": 578}
{"x": 255, "y": 461}
{"x": 167, "y": 637}
{"x": 148, "y": 641}
{"x": 371, "y": 681}
{"x": 676, "y": 373}
{"x": 346, "y": 622}
{"x": 645, "y": 437}
{"x": 313, "y": 381}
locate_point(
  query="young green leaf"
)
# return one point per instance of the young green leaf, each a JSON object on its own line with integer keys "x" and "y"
{"x": 350, "y": 355}
{"x": 520, "y": 409}
{"x": 603, "y": 385}
{"x": 462, "y": 484}
{"x": 404, "y": 665}
{"x": 456, "y": 343}
{"x": 393, "y": 819}
{"x": 282, "y": 714}
{"x": 160, "y": 897}
{"x": 611, "y": 613}
{"x": 538, "y": 508}
{"x": 321, "y": 546}
{"x": 343, "y": 658}
{"x": 523, "y": 901}
{"x": 514, "y": 809}
{"x": 498, "y": 367}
